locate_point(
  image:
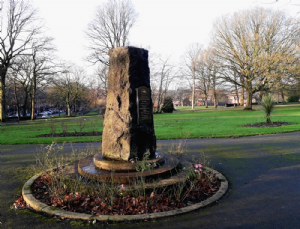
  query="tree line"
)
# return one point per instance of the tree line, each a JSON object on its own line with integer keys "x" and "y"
{"x": 250, "y": 51}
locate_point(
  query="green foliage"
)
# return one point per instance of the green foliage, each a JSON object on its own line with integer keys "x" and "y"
{"x": 144, "y": 165}
{"x": 81, "y": 124}
{"x": 52, "y": 126}
{"x": 293, "y": 98}
{"x": 64, "y": 127}
{"x": 267, "y": 103}
{"x": 186, "y": 102}
{"x": 168, "y": 106}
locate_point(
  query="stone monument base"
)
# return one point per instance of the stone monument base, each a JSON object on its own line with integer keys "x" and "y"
{"x": 113, "y": 171}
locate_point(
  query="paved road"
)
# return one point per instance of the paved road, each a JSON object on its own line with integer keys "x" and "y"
{"x": 264, "y": 176}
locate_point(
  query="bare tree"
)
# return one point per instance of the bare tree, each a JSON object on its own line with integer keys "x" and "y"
{"x": 204, "y": 75}
{"x": 163, "y": 75}
{"x": 102, "y": 80}
{"x": 109, "y": 29}
{"x": 69, "y": 86}
{"x": 20, "y": 74}
{"x": 16, "y": 35}
{"x": 31, "y": 69}
{"x": 258, "y": 44}
{"x": 207, "y": 75}
{"x": 42, "y": 61}
{"x": 192, "y": 57}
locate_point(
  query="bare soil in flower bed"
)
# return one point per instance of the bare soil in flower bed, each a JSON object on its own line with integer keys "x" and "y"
{"x": 152, "y": 202}
{"x": 265, "y": 124}
{"x": 74, "y": 134}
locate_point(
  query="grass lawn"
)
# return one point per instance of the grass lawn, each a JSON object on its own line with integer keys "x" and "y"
{"x": 196, "y": 108}
{"x": 225, "y": 122}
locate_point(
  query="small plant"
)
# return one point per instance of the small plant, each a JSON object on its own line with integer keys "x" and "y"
{"x": 145, "y": 165}
{"x": 52, "y": 126}
{"x": 64, "y": 127}
{"x": 267, "y": 104}
{"x": 81, "y": 124}
{"x": 178, "y": 149}
{"x": 200, "y": 159}
{"x": 93, "y": 124}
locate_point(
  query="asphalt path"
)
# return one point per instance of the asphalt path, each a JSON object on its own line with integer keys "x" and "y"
{"x": 264, "y": 185}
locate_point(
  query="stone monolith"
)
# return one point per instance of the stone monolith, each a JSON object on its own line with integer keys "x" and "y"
{"x": 128, "y": 124}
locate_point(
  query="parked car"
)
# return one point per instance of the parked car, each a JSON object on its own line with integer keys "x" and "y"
{"x": 45, "y": 116}
{"x": 44, "y": 113}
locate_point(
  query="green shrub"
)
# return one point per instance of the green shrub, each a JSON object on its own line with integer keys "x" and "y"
{"x": 168, "y": 106}
{"x": 186, "y": 102}
{"x": 267, "y": 104}
{"x": 293, "y": 98}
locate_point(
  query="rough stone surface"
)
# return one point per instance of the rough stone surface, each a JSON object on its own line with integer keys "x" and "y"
{"x": 123, "y": 136}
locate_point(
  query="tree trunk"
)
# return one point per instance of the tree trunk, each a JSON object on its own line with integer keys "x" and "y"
{"x": 282, "y": 96}
{"x": 25, "y": 104}
{"x": 243, "y": 91}
{"x": 158, "y": 104}
{"x": 33, "y": 98}
{"x": 206, "y": 106}
{"x": 2, "y": 94}
{"x": 215, "y": 99}
{"x": 159, "y": 98}
{"x": 237, "y": 96}
{"x": 249, "y": 101}
{"x": 242, "y": 96}
{"x": 17, "y": 101}
{"x": 193, "y": 89}
{"x": 2, "y": 102}
{"x": 68, "y": 109}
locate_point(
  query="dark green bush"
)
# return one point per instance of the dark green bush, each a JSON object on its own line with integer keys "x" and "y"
{"x": 293, "y": 98}
{"x": 186, "y": 102}
{"x": 168, "y": 106}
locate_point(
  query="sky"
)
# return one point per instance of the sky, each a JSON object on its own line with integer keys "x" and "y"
{"x": 165, "y": 27}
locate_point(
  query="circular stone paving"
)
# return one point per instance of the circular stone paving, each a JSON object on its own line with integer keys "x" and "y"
{"x": 42, "y": 207}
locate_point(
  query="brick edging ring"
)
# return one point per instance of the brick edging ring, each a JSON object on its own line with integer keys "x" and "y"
{"x": 42, "y": 207}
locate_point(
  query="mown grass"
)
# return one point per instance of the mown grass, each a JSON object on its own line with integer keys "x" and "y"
{"x": 225, "y": 122}
{"x": 199, "y": 124}
{"x": 196, "y": 108}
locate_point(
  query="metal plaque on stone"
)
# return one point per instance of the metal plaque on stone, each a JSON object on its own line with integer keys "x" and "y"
{"x": 144, "y": 105}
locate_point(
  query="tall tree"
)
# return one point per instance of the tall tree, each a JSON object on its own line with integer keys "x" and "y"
{"x": 163, "y": 75}
{"x": 192, "y": 58}
{"x": 109, "y": 29}
{"x": 42, "y": 61}
{"x": 31, "y": 69}
{"x": 19, "y": 29}
{"x": 258, "y": 44}
{"x": 102, "y": 80}
{"x": 209, "y": 80}
{"x": 204, "y": 77}
{"x": 20, "y": 73}
{"x": 69, "y": 85}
